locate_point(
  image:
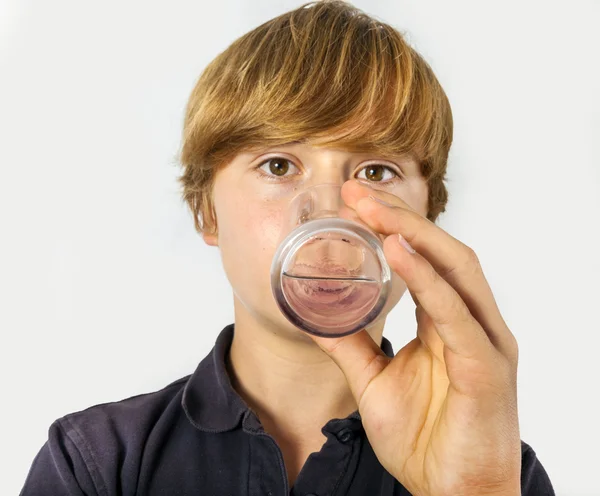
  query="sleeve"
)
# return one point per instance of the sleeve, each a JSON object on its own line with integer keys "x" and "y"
{"x": 61, "y": 468}
{"x": 534, "y": 479}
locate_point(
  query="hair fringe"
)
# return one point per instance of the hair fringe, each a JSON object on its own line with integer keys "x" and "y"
{"x": 326, "y": 74}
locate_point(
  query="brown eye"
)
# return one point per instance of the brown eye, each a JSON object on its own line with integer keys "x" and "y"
{"x": 279, "y": 166}
{"x": 377, "y": 173}
{"x": 374, "y": 172}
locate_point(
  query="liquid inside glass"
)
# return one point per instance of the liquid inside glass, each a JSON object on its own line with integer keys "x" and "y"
{"x": 331, "y": 302}
{"x": 329, "y": 276}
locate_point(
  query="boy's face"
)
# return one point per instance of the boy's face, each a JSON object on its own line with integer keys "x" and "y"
{"x": 251, "y": 195}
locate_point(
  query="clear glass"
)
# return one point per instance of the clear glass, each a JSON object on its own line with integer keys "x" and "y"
{"x": 329, "y": 275}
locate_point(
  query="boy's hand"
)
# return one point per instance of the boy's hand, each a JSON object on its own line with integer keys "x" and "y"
{"x": 441, "y": 415}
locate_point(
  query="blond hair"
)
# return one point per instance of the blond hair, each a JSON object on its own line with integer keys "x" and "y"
{"x": 325, "y": 74}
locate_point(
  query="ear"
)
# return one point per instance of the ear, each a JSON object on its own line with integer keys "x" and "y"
{"x": 210, "y": 239}
{"x": 210, "y": 236}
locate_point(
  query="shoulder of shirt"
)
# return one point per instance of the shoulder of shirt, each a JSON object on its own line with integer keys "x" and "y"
{"x": 135, "y": 407}
{"x": 110, "y": 434}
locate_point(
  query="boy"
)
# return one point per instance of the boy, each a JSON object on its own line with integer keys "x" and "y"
{"x": 321, "y": 94}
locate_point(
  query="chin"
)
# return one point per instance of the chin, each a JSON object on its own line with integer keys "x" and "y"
{"x": 282, "y": 327}
{"x": 263, "y": 314}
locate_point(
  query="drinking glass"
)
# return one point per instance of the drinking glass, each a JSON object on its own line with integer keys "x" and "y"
{"x": 329, "y": 275}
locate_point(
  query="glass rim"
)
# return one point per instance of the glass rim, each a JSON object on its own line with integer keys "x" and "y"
{"x": 298, "y": 237}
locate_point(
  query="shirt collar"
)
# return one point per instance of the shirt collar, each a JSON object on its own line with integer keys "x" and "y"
{"x": 210, "y": 401}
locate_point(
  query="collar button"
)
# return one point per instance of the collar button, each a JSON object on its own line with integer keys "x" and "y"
{"x": 345, "y": 435}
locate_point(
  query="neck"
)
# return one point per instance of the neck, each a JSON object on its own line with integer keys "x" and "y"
{"x": 286, "y": 379}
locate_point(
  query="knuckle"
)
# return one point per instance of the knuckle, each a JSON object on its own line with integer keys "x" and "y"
{"x": 460, "y": 311}
{"x": 506, "y": 372}
{"x": 512, "y": 348}
{"x": 468, "y": 263}
{"x": 471, "y": 258}
{"x": 419, "y": 313}
{"x": 456, "y": 313}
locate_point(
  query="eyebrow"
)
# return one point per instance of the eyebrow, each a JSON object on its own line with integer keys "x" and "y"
{"x": 411, "y": 156}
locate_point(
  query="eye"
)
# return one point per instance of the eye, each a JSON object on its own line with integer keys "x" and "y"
{"x": 277, "y": 167}
{"x": 378, "y": 173}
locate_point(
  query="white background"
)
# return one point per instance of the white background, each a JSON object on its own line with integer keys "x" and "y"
{"x": 106, "y": 291}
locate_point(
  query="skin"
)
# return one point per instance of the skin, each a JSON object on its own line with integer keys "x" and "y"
{"x": 441, "y": 415}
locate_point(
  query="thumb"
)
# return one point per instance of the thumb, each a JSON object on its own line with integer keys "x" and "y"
{"x": 358, "y": 357}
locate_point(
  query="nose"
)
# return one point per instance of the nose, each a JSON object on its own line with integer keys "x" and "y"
{"x": 322, "y": 201}
{"x": 330, "y": 172}
{"x": 327, "y": 197}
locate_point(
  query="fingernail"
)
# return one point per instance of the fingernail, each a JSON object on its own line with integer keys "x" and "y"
{"x": 380, "y": 201}
{"x": 406, "y": 244}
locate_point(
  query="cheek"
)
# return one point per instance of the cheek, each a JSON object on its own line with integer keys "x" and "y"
{"x": 247, "y": 242}
{"x": 418, "y": 196}
{"x": 249, "y": 233}
{"x": 264, "y": 223}
{"x": 264, "y": 227}
{"x": 414, "y": 191}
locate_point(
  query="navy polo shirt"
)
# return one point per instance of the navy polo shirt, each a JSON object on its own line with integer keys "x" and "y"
{"x": 197, "y": 437}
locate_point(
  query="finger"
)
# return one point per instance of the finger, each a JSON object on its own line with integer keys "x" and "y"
{"x": 456, "y": 326}
{"x": 353, "y": 191}
{"x": 428, "y": 334}
{"x": 358, "y": 357}
{"x": 452, "y": 260}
